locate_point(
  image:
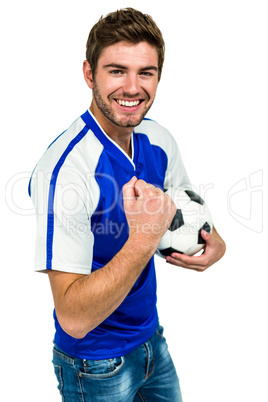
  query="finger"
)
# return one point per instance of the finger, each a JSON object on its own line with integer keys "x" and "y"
{"x": 199, "y": 263}
{"x": 142, "y": 188}
{"x": 128, "y": 188}
{"x": 207, "y": 236}
{"x": 180, "y": 264}
{"x": 139, "y": 187}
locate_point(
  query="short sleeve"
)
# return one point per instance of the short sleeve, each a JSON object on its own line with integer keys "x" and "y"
{"x": 64, "y": 240}
{"x": 176, "y": 174}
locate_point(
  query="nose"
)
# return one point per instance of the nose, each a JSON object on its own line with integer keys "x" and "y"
{"x": 131, "y": 84}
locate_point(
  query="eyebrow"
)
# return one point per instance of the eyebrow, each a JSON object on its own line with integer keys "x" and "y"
{"x": 119, "y": 66}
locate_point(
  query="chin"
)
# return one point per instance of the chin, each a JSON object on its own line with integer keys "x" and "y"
{"x": 130, "y": 121}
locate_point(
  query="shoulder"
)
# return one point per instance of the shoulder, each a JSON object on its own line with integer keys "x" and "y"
{"x": 69, "y": 163}
{"x": 76, "y": 148}
{"x": 157, "y": 135}
{"x": 151, "y": 128}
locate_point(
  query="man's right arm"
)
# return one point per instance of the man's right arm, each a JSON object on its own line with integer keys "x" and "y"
{"x": 82, "y": 302}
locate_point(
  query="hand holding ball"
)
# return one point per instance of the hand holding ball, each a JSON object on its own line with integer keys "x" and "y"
{"x": 184, "y": 233}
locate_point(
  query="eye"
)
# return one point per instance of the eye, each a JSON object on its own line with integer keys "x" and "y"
{"x": 116, "y": 72}
{"x": 146, "y": 73}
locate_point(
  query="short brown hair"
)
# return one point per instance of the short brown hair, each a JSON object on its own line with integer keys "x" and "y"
{"x": 127, "y": 25}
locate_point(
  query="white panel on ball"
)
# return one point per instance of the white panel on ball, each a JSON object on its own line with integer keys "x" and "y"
{"x": 184, "y": 233}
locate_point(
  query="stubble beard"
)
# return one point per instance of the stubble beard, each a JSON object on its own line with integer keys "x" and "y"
{"x": 109, "y": 113}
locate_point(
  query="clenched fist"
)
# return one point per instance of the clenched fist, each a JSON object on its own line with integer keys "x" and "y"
{"x": 149, "y": 211}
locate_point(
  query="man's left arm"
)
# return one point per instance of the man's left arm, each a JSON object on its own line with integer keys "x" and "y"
{"x": 176, "y": 176}
{"x": 214, "y": 250}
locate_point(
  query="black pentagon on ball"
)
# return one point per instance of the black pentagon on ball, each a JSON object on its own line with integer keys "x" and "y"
{"x": 168, "y": 251}
{"x": 205, "y": 227}
{"x": 195, "y": 197}
{"x": 177, "y": 221}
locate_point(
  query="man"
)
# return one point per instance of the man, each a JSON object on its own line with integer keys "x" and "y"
{"x": 101, "y": 212}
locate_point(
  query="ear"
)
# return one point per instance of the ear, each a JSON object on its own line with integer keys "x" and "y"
{"x": 88, "y": 74}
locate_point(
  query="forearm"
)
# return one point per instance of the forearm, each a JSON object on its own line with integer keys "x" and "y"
{"x": 90, "y": 299}
{"x": 83, "y": 302}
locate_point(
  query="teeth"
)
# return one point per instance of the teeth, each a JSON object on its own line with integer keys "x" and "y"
{"x": 128, "y": 103}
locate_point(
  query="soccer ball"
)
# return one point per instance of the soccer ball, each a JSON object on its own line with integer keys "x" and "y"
{"x": 184, "y": 233}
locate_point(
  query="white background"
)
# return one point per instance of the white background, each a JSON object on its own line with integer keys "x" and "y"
{"x": 213, "y": 98}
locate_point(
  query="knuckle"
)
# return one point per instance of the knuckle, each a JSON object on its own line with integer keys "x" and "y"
{"x": 149, "y": 192}
{"x": 140, "y": 184}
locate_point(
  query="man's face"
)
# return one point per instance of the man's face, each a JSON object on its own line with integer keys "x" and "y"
{"x": 125, "y": 83}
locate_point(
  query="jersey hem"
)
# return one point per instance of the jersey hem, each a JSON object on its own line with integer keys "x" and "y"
{"x": 106, "y": 355}
{"x": 70, "y": 270}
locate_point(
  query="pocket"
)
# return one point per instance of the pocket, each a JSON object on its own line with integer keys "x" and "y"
{"x": 59, "y": 355}
{"x": 58, "y": 373}
{"x": 101, "y": 368}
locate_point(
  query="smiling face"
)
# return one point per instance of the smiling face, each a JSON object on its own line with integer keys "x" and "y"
{"x": 124, "y": 85}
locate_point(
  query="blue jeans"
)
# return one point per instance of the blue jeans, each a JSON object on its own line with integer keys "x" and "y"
{"x": 146, "y": 374}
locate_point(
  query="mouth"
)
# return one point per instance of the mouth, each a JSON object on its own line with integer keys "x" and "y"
{"x": 129, "y": 103}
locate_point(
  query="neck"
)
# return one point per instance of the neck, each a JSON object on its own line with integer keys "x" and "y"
{"x": 121, "y": 135}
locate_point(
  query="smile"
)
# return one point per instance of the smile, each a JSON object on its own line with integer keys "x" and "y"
{"x": 128, "y": 103}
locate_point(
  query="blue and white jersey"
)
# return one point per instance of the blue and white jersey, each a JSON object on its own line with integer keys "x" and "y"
{"x": 76, "y": 189}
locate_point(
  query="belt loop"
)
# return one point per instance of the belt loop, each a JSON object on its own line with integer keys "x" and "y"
{"x": 150, "y": 359}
